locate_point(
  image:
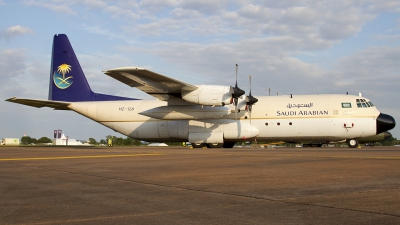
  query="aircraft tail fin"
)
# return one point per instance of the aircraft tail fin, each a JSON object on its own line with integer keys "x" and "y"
{"x": 67, "y": 80}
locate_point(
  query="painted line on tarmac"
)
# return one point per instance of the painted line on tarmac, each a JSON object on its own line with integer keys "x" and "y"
{"x": 79, "y": 157}
{"x": 346, "y": 157}
{"x": 307, "y": 156}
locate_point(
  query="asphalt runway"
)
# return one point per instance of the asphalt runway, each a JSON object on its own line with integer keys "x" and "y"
{"x": 166, "y": 185}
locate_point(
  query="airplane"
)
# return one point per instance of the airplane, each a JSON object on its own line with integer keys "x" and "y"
{"x": 214, "y": 116}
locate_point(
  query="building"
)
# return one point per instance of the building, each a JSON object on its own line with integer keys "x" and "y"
{"x": 66, "y": 141}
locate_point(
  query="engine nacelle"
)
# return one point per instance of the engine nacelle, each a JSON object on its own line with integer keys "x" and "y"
{"x": 209, "y": 95}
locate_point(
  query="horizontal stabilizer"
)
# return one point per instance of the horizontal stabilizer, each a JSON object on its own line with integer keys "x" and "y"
{"x": 40, "y": 103}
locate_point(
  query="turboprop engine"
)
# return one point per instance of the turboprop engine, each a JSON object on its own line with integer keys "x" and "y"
{"x": 212, "y": 95}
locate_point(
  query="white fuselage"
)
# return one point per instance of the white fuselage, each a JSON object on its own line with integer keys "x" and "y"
{"x": 322, "y": 118}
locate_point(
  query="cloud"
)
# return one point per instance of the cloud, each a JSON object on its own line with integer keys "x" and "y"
{"x": 21, "y": 77}
{"x": 372, "y": 61}
{"x": 325, "y": 23}
{"x": 12, "y": 63}
{"x": 208, "y": 7}
{"x": 120, "y": 9}
{"x": 52, "y": 5}
{"x": 376, "y": 6}
{"x": 154, "y": 6}
{"x": 373, "y": 69}
{"x": 14, "y": 31}
{"x": 103, "y": 31}
{"x": 390, "y": 37}
{"x": 117, "y": 12}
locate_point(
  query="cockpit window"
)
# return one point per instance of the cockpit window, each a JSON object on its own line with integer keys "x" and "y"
{"x": 362, "y": 103}
{"x": 359, "y": 103}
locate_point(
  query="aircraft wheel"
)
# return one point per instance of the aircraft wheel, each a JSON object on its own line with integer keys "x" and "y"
{"x": 228, "y": 144}
{"x": 198, "y": 145}
{"x": 352, "y": 143}
{"x": 215, "y": 145}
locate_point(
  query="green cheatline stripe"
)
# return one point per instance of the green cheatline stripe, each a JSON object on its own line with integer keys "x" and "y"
{"x": 80, "y": 157}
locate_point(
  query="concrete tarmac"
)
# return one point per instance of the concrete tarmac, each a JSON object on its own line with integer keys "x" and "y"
{"x": 177, "y": 185}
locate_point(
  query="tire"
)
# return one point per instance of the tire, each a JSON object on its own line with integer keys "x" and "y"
{"x": 198, "y": 145}
{"x": 228, "y": 144}
{"x": 352, "y": 143}
{"x": 215, "y": 145}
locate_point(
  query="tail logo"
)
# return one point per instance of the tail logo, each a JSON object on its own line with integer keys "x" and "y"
{"x": 59, "y": 78}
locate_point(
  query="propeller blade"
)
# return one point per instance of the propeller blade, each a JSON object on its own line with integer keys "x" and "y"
{"x": 236, "y": 93}
{"x": 250, "y": 100}
{"x": 236, "y": 74}
{"x": 250, "y": 83}
{"x": 250, "y": 107}
{"x": 236, "y": 110}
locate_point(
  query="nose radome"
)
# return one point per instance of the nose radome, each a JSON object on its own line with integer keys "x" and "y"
{"x": 384, "y": 123}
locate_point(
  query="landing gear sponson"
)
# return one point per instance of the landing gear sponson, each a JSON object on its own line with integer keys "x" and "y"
{"x": 214, "y": 145}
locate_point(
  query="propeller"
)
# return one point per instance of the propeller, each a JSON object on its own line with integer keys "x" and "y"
{"x": 236, "y": 93}
{"x": 250, "y": 100}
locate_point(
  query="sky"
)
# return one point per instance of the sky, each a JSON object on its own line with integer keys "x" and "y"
{"x": 290, "y": 46}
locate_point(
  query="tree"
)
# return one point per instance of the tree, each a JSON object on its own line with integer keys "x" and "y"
{"x": 136, "y": 142}
{"x": 119, "y": 141}
{"x": 389, "y": 142}
{"x": 92, "y": 141}
{"x": 26, "y": 140}
{"x": 43, "y": 140}
{"x": 128, "y": 141}
{"x": 34, "y": 141}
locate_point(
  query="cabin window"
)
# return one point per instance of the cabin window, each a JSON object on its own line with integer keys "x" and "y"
{"x": 266, "y": 124}
{"x": 290, "y": 123}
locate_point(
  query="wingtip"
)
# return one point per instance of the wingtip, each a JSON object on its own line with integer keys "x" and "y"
{"x": 10, "y": 99}
{"x": 124, "y": 69}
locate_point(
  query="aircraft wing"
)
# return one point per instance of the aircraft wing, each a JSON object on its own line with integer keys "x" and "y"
{"x": 157, "y": 85}
{"x": 40, "y": 103}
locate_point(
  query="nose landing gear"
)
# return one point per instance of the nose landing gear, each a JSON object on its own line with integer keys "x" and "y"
{"x": 352, "y": 143}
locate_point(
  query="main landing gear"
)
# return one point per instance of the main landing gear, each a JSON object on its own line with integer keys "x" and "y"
{"x": 214, "y": 145}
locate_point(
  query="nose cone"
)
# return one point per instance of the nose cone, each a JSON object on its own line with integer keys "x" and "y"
{"x": 384, "y": 123}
